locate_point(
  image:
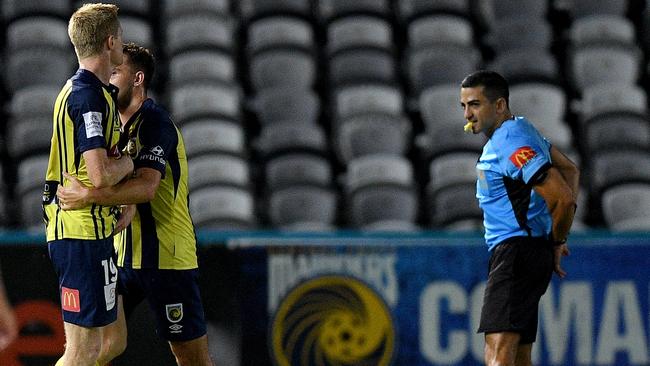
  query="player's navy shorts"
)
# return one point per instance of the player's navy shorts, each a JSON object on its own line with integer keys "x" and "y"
{"x": 519, "y": 273}
{"x": 173, "y": 296}
{"x": 87, "y": 280}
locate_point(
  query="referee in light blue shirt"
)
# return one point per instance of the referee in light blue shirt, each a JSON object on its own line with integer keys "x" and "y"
{"x": 527, "y": 190}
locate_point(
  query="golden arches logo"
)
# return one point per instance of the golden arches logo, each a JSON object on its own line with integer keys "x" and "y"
{"x": 332, "y": 320}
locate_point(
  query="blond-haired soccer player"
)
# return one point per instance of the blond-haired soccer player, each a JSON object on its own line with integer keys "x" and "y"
{"x": 86, "y": 131}
{"x": 157, "y": 251}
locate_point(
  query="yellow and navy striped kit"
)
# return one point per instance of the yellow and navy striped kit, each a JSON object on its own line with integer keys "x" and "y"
{"x": 85, "y": 118}
{"x": 161, "y": 234}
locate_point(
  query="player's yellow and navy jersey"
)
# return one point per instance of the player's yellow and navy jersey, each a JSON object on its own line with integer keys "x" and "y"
{"x": 161, "y": 234}
{"x": 85, "y": 118}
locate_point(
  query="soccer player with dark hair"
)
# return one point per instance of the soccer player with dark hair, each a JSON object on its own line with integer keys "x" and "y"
{"x": 527, "y": 190}
{"x": 157, "y": 248}
{"x": 86, "y": 131}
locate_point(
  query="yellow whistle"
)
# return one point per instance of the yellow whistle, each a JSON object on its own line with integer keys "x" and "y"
{"x": 468, "y": 127}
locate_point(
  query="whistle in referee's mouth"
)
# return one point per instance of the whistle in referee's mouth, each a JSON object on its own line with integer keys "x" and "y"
{"x": 468, "y": 127}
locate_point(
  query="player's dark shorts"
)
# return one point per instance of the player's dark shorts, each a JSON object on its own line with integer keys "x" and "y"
{"x": 87, "y": 280}
{"x": 519, "y": 273}
{"x": 173, "y": 296}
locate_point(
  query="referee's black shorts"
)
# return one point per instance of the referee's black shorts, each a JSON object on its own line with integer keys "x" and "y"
{"x": 519, "y": 273}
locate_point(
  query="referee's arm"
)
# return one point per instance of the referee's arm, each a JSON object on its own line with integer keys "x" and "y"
{"x": 568, "y": 169}
{"x": 560, "y": 200}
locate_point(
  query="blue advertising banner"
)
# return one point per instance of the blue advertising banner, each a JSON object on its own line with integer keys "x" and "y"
{"x": 416, "y": 302}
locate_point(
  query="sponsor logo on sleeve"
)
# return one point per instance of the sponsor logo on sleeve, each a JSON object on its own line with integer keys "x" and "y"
{"x": 522, "y": 156}
{"x": 70, "y": 300}
{"x": 156, "y": 154}
{"x": 93, "y": 124}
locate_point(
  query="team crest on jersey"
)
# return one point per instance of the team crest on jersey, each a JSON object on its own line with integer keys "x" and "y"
{"x": 174, "y": 312}
{"x": 522, "y": 156}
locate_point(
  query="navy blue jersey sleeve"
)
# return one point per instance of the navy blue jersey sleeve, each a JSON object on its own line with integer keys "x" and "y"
{"x": 87, "y": 108}
{"x": 158, "y": 140}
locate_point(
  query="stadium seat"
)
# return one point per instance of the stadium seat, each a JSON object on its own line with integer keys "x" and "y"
{"x": 294, "y": 205}
{"x": 140, "y": 8}
{"x": 177, "y": 8}
{"x": 35, "y": 166}
{"x": 452, "y": 169}
{"x": 278, "y": 32}
{"x": 29, "y": 135}
{"x": 390, "y": 226}
{"x": 14, "y": 9}
{"x": 253, "y": 9}
{"x": 222, "y": 207}
{"x": 369, "y": 134}
{"x": 581, "y": 8}
{"x": 200, "y": 66}
{"x": 34, "y": 101}
{"x": 544, "y": 104}
{"x": 465, "y": 225}
{"x": 515, "y": 65}
{"x": 137, "y": 30}
{"x": 520, "y": 33}
{"x": 25, "y": 67}
{"x": 521, "y": 9}
{"x": 438, "y": 29}
{"x": 359, "y": 32}
{"x": 199, "y": 31}
{"x": 206, "y": 136}
{"x": 604, "y": 63}
{"x": 286, "y": 104}
{"x": 453, "y": 203}
{"x": 609, "y": 168}
{"x": 609, "y": 131}
{"x": 366, "y": 98}
{"x": 378, "y": 170}
{"x": 602, "y": 28}
{"x": 362, "y": 66}
{"x": 440, "y": 104}
{"x": 218, "y": 169}
{"x": 297, "y": 169}
{"x": 201, "y": 100}
{"x": 626, "y": 207}
{"x": 408, "y": 10}
{"x": 333, "y": 9}
{"x": 445, "y": 137}
{"x": 38, "y": 31}
{"x": 282, "y": 68}
{"x": 30, "y": 210}
{"x": 611, "y": 98}
{"x": 440, "y": 65}
{"x": 285, "y": 137}
{"x": 382, "y": 203}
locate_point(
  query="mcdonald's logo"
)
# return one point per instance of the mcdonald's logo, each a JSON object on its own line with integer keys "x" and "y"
{"x": 522, "y": 156}
{"x": 70, "y": 300}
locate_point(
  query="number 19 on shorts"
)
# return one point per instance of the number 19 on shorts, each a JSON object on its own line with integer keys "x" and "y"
{"x": 110, "y": 283}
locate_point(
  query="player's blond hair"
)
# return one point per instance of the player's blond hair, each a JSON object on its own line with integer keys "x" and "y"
{"x": 90, "y": 26}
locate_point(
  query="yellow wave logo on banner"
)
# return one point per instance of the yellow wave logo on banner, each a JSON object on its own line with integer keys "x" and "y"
{"x": 332, "y": 320}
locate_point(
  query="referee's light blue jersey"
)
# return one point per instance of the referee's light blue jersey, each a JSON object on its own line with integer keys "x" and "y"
{"x": 512, "y": 160}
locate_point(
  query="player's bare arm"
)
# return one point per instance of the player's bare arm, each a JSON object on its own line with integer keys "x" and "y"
{"x": 138, "y": 189}
{"x": 561, "y": 204}
{"x": 568, "y": 169}
{"x": 104, "y": 171}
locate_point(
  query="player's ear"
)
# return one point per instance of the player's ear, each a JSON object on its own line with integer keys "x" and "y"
{"x": 139, "y": 78}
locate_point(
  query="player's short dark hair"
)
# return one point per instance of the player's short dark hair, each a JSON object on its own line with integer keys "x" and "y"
{"x": 494, "y": 85}
{"x": 141, "y": 59}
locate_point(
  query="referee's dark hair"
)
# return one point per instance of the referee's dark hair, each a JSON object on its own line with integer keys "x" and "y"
{"x": 142, "y": 60}
{"x": 494, "y": 85}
